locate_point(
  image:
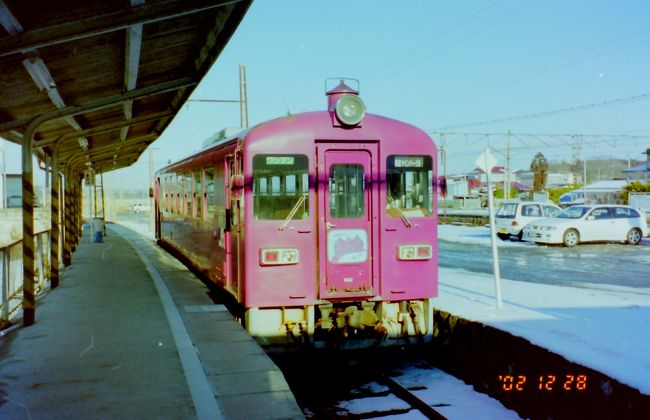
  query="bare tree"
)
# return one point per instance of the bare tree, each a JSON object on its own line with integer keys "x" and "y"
{"x": 539, "y": 167}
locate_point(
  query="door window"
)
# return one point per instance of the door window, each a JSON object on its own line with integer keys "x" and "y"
{"x": 550, "y": 211}
{"x": 600, "y": 214}
{"x": 346, "y": 191}
{"x": 625, "y": 213}
{"x": 531, "y": 210}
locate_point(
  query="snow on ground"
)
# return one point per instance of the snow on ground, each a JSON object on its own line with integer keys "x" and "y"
{"x": 480, "y": 235}
{"x": 606, "y": 329}
{"x": 457, "y": 399}
{"x": 451, "y": 397}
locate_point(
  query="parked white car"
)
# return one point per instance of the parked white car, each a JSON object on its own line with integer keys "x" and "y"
{"x": 513, "y": 216}
{"x": 590, "y": 223}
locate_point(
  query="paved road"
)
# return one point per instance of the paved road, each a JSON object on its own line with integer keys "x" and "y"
{"x": 611, "y": 264}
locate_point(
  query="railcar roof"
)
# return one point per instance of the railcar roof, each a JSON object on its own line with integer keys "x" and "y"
{"x": 306, "y": 119}
{"x": 112, "y": 74}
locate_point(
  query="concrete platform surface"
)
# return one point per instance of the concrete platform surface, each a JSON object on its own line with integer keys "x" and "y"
{"x": 131, "y": 333}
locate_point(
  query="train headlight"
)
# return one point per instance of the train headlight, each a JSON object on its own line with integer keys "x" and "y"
{"x": 350, "y": 110}
{"x": 279, "y": 256}
{"x": 414, "y": 252}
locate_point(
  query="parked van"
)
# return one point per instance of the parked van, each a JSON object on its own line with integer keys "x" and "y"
{"x": 512, "y": 216}
{"x": 572, "y": 198}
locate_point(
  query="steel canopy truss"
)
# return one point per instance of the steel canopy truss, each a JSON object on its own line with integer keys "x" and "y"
{"x": 91, "y": 85}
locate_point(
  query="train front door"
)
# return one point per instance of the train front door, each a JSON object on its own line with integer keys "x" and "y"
{"x": 347, "y": 175}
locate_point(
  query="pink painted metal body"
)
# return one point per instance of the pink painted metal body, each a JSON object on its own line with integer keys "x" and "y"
{"x": 312, "y": 134}
{"x": 340, "y": 259}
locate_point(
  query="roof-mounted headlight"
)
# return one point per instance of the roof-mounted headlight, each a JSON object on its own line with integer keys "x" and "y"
{"x": 350, "y": 110}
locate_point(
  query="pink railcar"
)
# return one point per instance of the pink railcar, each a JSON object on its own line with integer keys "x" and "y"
{"x": 321, "y": 224}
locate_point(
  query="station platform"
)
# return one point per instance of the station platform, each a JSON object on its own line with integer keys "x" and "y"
{"x": 132, "y": 333}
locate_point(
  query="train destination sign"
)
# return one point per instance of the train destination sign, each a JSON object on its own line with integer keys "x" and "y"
{"x": 279, "y": 160}
{"x": 409, "y": 161}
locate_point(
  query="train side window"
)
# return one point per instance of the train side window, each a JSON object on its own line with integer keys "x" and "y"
{"x": 346, "y": 191}
{"x": 187, "y": 194}
{"x": 173, "y": 193}
{"x": 220, "y": 194}
{"x": 280, "y": 183}
{"x": 209, "y": 196}
{"x": 409, "y": 181}
{"x": 198, "y": 195}
{"x": 161, "y": 193}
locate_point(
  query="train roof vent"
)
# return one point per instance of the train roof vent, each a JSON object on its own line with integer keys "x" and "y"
{"x": 220, "y": 135}
{"x": 345, "y": 103}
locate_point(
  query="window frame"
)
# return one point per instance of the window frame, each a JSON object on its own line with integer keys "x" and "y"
{"x": 428, "y": 195}
{"x": 300, "y": 170}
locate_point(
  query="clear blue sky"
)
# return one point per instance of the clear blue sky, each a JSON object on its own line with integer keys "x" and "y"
{"x": 438, "y": 64}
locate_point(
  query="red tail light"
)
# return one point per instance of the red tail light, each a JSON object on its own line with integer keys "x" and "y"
{"x": 414, "y": 252}
{"x": 279, "y": 256}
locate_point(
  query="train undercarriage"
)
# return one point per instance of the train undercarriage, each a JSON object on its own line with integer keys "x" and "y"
{"x": 344, "y": 324}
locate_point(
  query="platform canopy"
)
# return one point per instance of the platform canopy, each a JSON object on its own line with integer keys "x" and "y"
{"x": 98, "y": 81}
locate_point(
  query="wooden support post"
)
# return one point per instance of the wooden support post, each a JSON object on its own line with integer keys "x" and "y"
{"x": 67, "y": 230}
{"x": 5, "y": 285}
{"x": 29, "y": 299}
{"x": 55, "y": 231}
{"x": 40, "y": 264}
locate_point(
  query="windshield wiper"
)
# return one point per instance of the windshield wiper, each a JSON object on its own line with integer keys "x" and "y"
{"x": 293, "y": 212}
{"x": 402, "y": 216}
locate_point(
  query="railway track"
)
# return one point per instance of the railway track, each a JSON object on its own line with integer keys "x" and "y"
{"x": 406, "y": 395}
{"x": 381, "y": 383}
{"x": 392, "y": 399}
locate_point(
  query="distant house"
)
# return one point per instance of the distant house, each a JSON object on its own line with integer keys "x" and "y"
{"x": 461, "y": 185}
{"x": 552, "y": 180}
{"x": 14, "y": 191}
{"x": 637, "y": 173}
{"x": 12, "y": 197}
{"x": 497, "y": 175}
{"x": 603, "y": 192}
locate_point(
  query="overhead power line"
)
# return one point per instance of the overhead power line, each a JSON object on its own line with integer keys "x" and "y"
{"x": 528, "y": 141}
{"x": 547, "y": 113}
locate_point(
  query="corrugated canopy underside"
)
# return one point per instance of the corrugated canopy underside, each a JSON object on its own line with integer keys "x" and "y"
{"x": 106, "y": 76}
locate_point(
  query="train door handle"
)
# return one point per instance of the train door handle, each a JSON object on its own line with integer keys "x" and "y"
{"x": 329, "y": 226}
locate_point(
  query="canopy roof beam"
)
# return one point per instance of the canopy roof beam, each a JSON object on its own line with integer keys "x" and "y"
{"x": 102, "y": 24}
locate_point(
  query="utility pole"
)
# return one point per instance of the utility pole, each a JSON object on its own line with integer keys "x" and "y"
{"x": 3, "y": 174}
{"x": 151, "y": 184}
{"x": 443, "y": 155}
{"x": 242, "y": 101}
{"x": 584, "y": 180}
{"x": 243, "y": 97}
{"x": 506, "y": 186}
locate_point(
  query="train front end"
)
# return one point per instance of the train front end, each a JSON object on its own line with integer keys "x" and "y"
{"x": 340, "y": 227}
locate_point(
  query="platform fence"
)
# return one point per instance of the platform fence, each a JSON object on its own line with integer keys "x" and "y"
{"x": 11, "y": 273}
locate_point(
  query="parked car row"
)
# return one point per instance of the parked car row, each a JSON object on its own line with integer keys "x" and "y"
{"x": 544, "y": 223}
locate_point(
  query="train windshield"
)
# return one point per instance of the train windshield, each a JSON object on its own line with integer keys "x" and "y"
{"x": 279, "y": 182}
{"x": 409, "y": 186}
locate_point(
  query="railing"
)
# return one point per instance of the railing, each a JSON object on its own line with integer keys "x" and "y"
{"x": 11, "y": 269}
